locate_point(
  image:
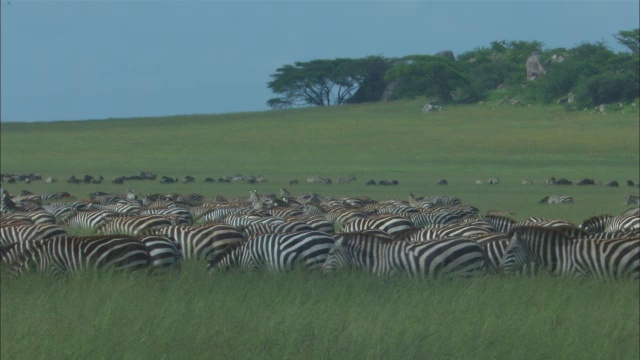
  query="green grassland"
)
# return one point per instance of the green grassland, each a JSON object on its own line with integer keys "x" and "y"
{"x": 195, "y": 315}
{"x": 374, "y": 141}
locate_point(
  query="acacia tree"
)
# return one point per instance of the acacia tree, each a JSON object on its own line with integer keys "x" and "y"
{"x": 630, "y": 39}
{"x": 318, "y": 82}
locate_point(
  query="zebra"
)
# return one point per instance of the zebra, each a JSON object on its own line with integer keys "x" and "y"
{"x": 335, "y": 215}
{"x": 551, "y": 250}
{"x": 41, "y": 217}
{"x": 443, "y": 215}
{"x": 632, "y": 200}
{"x": 277, "y": 252}
{"x": 285, "y": 211}
{"x": 134, "y": 225}
{"x": 91, "y": 219}
{"x": 54, "y": 195}
{"x": 391, "y": 224}
{"x": 217, "y": 214}
{"x": 122, "y": 208}
{"x": 201, "y": 242}
{"x": 184, "y": 217}
{"x": 451, "y": 231}
{"x": 502, "y": 224}
{"x": 60, "y": 212}
{"x": 494, "y": 252}
{"x": 556, "y": 199}
{"x": 631, "y": 211}
{"x": 378, "y": 253}
{"x": 164, "y": 252}
{"x": 433, "y": 201}
{"x": 106, "y": 199}
{"x": 317, "y": 223}
{"x": 607, "y": 223}
{"x": 21, "y": 233}
{"x": 60, "y": 256}
{"x": 269, "y": 228}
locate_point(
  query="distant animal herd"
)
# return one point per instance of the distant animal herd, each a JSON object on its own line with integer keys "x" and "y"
{"x": 420, "y": 236}
{"x": 261, "y": 179}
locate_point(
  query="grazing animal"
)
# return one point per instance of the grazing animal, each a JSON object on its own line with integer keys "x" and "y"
{"x": 278, "y": 252}
{"x": 552, "y": 251}
{"x": 376, "y": 252}
{"x": 556, "y": 199}
{"x": 60, "y": 256}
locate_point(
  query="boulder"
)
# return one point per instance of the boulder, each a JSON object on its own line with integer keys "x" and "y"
{"x": 388, "y": 91}
{"x": 446, "y": 53}
{"x": 534, "y": 66}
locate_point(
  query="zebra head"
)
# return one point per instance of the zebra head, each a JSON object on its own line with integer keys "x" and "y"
{"x": 516, "y": 254}
{"x": 224, "y": 262}
{"x": 32, "y": 259}
{"x": 336, "y": 260}
{"x": 594, "y": 224}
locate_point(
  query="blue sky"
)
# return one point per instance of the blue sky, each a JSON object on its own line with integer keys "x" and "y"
{"x": 75, "y": 60}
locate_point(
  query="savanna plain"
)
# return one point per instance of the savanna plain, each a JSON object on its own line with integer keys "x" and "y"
{"x": 192, "y": 314}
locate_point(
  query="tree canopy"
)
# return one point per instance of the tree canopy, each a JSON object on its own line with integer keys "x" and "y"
{"x": 590, "y": 72}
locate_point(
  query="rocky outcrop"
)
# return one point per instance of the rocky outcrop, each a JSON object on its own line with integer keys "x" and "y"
{"x": 388, "y": 91}
{"x": 446, "y": 53}
{"x": 534, "y": 66}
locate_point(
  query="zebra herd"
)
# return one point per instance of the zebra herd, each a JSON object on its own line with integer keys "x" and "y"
{"x": 432, "y": 236}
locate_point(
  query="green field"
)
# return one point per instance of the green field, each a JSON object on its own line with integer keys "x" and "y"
{"x": 193, "y": 315}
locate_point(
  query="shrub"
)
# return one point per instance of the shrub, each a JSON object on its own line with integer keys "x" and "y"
{"x": 605, "y": 88}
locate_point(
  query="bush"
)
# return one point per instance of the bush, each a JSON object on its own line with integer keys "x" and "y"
{"x": 606, "y": 88}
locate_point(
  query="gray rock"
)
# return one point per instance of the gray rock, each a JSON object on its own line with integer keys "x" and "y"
{"x": 534, "y": 66}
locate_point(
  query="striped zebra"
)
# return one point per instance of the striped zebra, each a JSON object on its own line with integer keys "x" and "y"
{"x": 552, "y": 251}
{"x": 278, "y": 252}
{"x": 433, "y": 201}
{"x": 503, "y": 224}
{"x": 450, "y": 231}
{"x": 90, "y": 219}
{"x": 127, "y": 209}
{"x": 379, "y": 254}
{"x": 47, "y": 196}
{"x": 243, "y": 220}
{"x": 631, "y": 211}
{"x": 556, "y": 199}
{"x": 201, "y": 242}
{"x": 317, "y": 223}
{"x": 164, "y": 252}
{"x": 218, "y": 213}
{"x": 134, "y": 225}
{"x": 40, "y": 217}
{"x": 337, "y": 216}
{"x": 391, "y": 224}
{"x": 183, "y": 215}
{"x": 60, "y": 256}
{"x": 60, "y": 212}
{"x": 256, "y": 229}
{"x": 494, "y": 252}
{"x": 632, "y": 200}
{"x": 106, "y": 199}
{"x": 284, "y": 212}
{"x": 443, "y": 215}
{"x": 21, "y": 233}
{"x": 607, "y": 223}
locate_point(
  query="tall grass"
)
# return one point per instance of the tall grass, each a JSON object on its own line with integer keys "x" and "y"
{"x": 302, "y": 315}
